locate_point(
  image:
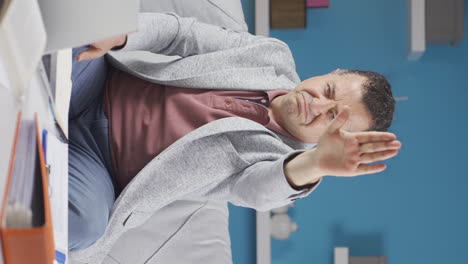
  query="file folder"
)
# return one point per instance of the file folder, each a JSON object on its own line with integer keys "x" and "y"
{"x": 33, "y": 244}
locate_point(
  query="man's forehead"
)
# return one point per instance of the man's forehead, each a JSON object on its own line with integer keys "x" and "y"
{"x": 349, "y": 82}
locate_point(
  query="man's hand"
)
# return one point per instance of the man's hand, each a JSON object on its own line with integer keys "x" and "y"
{"x": 342, "y": 153}
{"x": 100, "y": 48}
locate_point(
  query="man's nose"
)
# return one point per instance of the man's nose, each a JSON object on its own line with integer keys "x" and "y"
{"x": 320, "y": 106}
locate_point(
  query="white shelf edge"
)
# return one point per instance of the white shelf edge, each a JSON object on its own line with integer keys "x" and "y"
{"x": 263, "y": 238}
{"x": 262, "y": 18}
{"x": 416, "y": 29}
{"x": 341, "y": 255}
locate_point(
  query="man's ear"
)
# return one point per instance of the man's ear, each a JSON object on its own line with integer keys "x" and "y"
{"x": 335, "y": 71}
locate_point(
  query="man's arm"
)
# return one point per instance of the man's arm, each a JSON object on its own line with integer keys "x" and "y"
{"x": 170, "y": 34}
{"x": 100, "y": 48}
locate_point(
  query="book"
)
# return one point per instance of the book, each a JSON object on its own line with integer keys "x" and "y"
{"x": 19, "y": 206}
{"x": 318, "y": 3}
{"x": 287, "y": 14}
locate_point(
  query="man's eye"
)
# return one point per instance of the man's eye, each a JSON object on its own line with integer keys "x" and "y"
{"x": 328, "y": 91}
{"x": 332, "y": 115}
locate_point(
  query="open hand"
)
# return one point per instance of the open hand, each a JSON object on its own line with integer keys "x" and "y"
{"x": 100, "y": 48}
{"x": 342, "y": 153}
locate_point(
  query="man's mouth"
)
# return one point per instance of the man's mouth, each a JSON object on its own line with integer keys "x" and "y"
{"x": 306, "y": 114}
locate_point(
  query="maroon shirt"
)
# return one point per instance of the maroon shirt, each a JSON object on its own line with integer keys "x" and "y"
{"x": 145, "y": 118}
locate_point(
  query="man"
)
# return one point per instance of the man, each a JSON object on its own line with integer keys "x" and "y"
{"x": 170, "y": 136}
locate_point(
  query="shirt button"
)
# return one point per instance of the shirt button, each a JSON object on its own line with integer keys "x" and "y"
{"x": 228, "y": 101}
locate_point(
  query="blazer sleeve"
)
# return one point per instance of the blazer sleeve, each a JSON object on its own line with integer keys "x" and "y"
{"x": 261, "y": 183}
{"x": 169, "y": 34}
{"x": 246, "y": 169}
{"x": 263, "y": 186}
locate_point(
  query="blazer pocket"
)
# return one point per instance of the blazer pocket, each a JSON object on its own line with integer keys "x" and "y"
{"x": 144, "y": 238}
{"x": 187, "y": 238}
{"x": 136, "y": 218}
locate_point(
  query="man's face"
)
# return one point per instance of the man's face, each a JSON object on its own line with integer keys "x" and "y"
{"x": 306, "y": 111}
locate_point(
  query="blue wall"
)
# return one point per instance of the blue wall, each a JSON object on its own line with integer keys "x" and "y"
{"x": 415, "y": 212}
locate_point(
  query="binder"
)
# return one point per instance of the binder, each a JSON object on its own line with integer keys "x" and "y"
{"x": 33, "y": 244}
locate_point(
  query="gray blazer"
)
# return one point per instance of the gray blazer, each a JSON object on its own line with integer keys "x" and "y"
{"x": 232, "y": 159}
